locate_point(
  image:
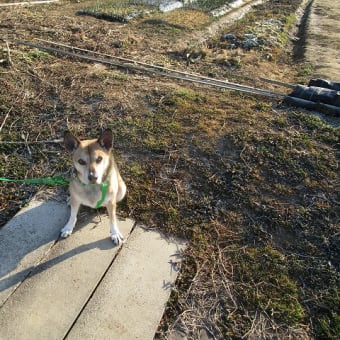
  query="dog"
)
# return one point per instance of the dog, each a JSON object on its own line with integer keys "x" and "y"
{"x": 97, "y": 181}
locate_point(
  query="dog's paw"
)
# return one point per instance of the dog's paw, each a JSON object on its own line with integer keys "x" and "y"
{"x": 65, "y": 232}
{"x": 117, "y": 239}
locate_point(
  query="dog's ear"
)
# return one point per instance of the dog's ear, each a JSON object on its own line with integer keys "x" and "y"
{"x": 71, "y": 142}
{"x": 106, "y": 139}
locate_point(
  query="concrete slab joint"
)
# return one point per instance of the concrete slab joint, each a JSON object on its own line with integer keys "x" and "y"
{"x": 52, "y": 288}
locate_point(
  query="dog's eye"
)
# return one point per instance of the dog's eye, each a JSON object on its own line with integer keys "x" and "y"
{"x": 81, "y": 162}
{"x": 99, "y": 159}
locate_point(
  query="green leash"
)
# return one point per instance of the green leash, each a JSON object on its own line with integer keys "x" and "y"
{"x": 57, "y": 180}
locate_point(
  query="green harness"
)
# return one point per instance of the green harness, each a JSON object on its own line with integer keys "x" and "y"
{"x": 103, "y": 187}
{"x": 59, "y": 180}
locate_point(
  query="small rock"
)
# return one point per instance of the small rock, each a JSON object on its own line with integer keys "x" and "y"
{"x": 228, "y": 36}
{"x": 251, "y": 41}
{"x": 249, "y": 36}
{"x": 205, "y": 335}
{"x": 177, "y": 334}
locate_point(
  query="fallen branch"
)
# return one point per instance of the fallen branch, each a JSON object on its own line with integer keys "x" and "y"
{"x": 54, "y": 141}
{"x": 276, "y": 82}
{"x": 28, "y": 3}
{"x": 154, "y": 69}
{"x": 9, "y": 59}
{"x": 6, "y": 116}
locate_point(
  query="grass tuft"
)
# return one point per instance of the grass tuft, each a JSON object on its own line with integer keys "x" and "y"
{"x": 122, "y": 11}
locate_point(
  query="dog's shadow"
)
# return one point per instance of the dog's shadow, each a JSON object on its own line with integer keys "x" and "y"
{"x": 14, "y": 249}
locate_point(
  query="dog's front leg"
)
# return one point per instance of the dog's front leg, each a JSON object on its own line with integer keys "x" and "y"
{"x": 116, "y": 236}
{"x": 67, "y": 230}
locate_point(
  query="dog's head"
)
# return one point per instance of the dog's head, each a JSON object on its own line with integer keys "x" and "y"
{"x": 91, "y": 158}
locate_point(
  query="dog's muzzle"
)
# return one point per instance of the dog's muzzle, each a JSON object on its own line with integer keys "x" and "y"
{"x": 91, "y": 177}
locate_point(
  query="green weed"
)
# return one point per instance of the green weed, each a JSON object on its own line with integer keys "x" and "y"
{"x": 270, "y": 288}
{"x": 116, "y": 10}
{"x": 208, "y": 5}
{"x": 36, "y": 54}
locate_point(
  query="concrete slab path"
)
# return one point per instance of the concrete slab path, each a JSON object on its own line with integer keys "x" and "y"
{"x": 82, "y": 287}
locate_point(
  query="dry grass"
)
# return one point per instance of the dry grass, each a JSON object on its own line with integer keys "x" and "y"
{"x": 251, "y": 184}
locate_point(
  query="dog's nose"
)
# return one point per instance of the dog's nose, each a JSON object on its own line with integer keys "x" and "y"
{"x": 92, "y": 178}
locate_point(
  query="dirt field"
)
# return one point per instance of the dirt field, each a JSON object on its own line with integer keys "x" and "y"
{"x": 323, "y": 39}
{"x": 251, "y": 183}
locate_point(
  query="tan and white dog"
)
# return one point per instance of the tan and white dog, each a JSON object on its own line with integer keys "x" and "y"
{"x": 97, "y": 182}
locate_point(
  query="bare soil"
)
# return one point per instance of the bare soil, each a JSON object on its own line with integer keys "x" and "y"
{"x": 250, "y": 183}
{"x": 323, "y": 39}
